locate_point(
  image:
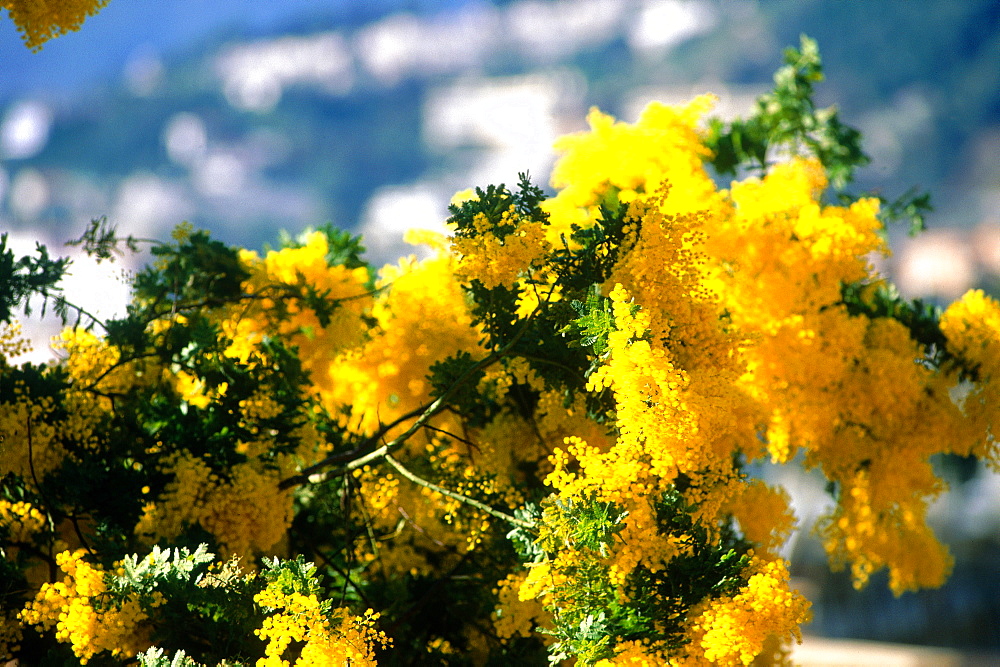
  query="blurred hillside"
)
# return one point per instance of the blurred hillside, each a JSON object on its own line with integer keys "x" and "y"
{"x": 370, "y": 118}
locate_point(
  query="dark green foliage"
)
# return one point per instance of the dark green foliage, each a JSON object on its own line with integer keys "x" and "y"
{"x": 208, "y": 606}
{"x": 461, "y": 368}
{"x": 580, "y": 266}
{"x": 195, "y": 272}
{"x": 102, "y": 242}
{"x": 593, "y": 524}
{"x": 590, "y": 254}
{"x": 912, "y": 206}
{"x": 28, "y": 277}
{"x": 35, "y": 380}
{"x": 344, "y": 249}
{"x": 788, "y": 118}
{"x": 98, "y": 490}
{"x": 320, "y": 533}
{"x": 712, "y": 568}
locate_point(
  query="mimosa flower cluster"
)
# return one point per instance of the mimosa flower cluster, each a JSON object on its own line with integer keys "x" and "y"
{"x": 41, "y": 20}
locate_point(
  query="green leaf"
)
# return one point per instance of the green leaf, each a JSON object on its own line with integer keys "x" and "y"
{"x": 157, "y": 657}
{"x": 145, "y": 573}
{"x": 595, "y": 323}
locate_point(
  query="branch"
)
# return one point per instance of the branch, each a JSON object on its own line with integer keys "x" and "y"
{"x": 312, "y": 474}
{"x": 61, "y": 302}
{"x": 455, "y": 496}
{"x": 454, "y": 436}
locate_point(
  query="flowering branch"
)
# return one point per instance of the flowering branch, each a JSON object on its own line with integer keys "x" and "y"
{"x": 312, "y": 475}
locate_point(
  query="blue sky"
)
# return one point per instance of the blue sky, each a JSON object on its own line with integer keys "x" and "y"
{"x": 77, "y": 61}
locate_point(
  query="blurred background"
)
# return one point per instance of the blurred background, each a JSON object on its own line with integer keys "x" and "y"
{"x": 247, "y": 118}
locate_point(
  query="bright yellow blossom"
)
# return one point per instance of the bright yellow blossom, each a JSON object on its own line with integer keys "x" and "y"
{"x": 734, "y": 630}
{"x": 41, "y": 20}
{"x": 76, "y": 608}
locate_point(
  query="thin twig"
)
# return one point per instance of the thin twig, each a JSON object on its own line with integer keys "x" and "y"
{"x": 80, "y": 313}
{"x": 472, "y": 502}
{"x": 308, "y": 474}
{"x": 336, "y": 568}
{"x": 454, "y": 436}
{"x": 420, "y": 529}
{"x": 121, "y": 363}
